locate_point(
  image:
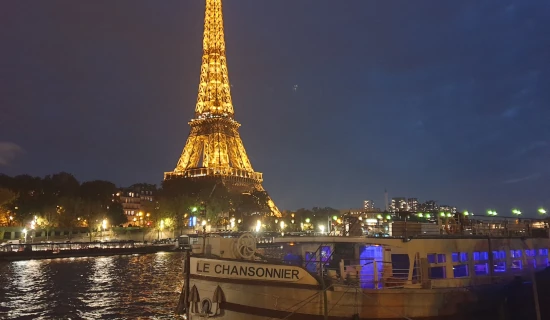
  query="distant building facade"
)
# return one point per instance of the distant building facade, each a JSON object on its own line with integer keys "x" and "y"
{"x": 412, "y": 204}
{"x": 137, "y": 202}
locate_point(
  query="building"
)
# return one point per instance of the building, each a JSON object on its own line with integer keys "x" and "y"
{"x": 398, "y": 204}
{"x": 138, "y": 201}
{"x": 412, "y": 204}
{"x": 428, "y": 206}
{"x": 368, "y": 204}
{"x": 447, "y": 208}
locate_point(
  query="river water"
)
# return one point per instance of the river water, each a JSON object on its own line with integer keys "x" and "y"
{"x": 117, "y": 287}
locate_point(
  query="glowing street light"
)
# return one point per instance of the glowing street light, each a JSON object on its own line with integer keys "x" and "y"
{"x": 542, "y": 211}
{"x": 104, "y": 224}
{"x": 258, "y": 225}
{"x": 194, "y": 209}
{"x": 516, "y": 212}
{"x": 307, "y": 220}
{"x": 322, "y": 228}
{"x": 466, "y": 213}
{"x": 491, "y": 212}
{"x": 282, "y": 225}
{"x": 334, "y": 218}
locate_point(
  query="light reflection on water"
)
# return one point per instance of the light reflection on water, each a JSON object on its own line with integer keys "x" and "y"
{"x": 118, "y": 287}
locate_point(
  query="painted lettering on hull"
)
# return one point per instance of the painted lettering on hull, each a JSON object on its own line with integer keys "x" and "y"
{"x": 256, "y": 272}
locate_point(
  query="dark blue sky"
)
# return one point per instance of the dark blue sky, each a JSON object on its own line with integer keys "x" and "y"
{"x": 443, "y": 100}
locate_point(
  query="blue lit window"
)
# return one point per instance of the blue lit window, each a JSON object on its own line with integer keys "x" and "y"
{"x": 431, "y": 258}
{"x": 464, "y": 256}
{"x": 543, "y": 252}
{"x": 441, "y": 258}
{"x": 460, "y": 271}
{"x": 515, "y": 253}
{"x": 455, "y": 257}
{"x": 481, "y": 269}
{"x": 476, "y": 256}
{"x": 530, "y": 253}
{"x": 500, "y": 266}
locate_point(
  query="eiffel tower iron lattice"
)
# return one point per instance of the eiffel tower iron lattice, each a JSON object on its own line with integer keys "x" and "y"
{"x": 214, "y": 148}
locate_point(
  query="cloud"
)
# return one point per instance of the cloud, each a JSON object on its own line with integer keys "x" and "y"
{"x": 529, "y": 177}
{"x": 8, "y": 152}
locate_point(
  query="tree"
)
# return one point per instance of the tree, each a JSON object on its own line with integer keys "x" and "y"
{"x": 7, "y": 197}
{"x": 115, "y": 214}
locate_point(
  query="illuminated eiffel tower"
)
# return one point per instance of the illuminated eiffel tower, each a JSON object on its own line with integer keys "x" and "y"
{"x": 214, "y": 148}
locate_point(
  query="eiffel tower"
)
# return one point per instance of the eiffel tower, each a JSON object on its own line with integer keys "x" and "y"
{"x": 214, "y": 148}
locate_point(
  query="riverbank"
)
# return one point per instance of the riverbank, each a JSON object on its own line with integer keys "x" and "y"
{"x": 66, "y": 250}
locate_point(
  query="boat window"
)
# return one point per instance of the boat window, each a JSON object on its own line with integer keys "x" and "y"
{"x": 325, "y": 253}
{"x": 460, "y": 271}
{"x": 481, "y": 256}
{"x": 437, "y": 272}
{"x": 460, "y": 256}
{"x": 500, "y": 266}
{"x": 400, "y": 265}
{"x": 311, "y": 266}
{"x": 530, "y": 253}
{"x": 481, "y": 269}
{"x": 516, "y": 264}
{"x": 499, "y": 254}
{"x": 543, "y": 252}
{"x": 515, "y": 253}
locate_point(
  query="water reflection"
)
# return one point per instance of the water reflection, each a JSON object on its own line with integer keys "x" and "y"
{"x": 138, "y": 286}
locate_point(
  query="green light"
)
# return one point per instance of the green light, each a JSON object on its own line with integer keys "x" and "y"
{"x": 516, "y": 211}
{"x": 379, "y": 216}
{"x": 194, "y": 209}
{"x": 388, "y": 217}
{"x": 542, "y": 211}
{"x": 334, "y": 218}
{"x": 428, "y": 215}
{"x": 307, "y": 220}
{"x": 466, "y": 213}
{"x": 442, "y": 214}
{"x": 420, "y": 215}
{"x": 449, "y": 214}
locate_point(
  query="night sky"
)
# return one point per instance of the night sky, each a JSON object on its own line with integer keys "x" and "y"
{"x": 338, "y": 100}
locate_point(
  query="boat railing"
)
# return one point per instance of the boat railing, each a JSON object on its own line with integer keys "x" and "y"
{"x": 377, "y": 275}
{"x": 62, "y": 246}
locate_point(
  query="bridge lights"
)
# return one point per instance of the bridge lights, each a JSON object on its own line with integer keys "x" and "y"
{"x": 516, "y": 212}
{"x": 542, "y": 211}
{"x": 491, "y": 213}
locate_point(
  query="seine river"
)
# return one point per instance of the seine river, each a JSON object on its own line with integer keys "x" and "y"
{"x": 118, "y": 287}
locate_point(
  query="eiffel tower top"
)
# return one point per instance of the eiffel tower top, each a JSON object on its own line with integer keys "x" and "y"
{"x": 214, "y": 91}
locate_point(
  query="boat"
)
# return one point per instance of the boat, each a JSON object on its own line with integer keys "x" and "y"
{"x": 408, "y": 275}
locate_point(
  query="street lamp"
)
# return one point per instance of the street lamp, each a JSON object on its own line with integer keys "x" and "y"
{"x": 516, "y": 212}
{"x": 491, "y": 212}
{"x": 282, "y": 225}
{"x": 25, "y": 234}
{"x": 322, "y": 228}
{"x": 258, "y": 225}
{"x": 542, "y": 211}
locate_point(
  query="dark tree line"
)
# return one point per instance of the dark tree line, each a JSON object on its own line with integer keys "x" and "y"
{"x": 58, "y": 200}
